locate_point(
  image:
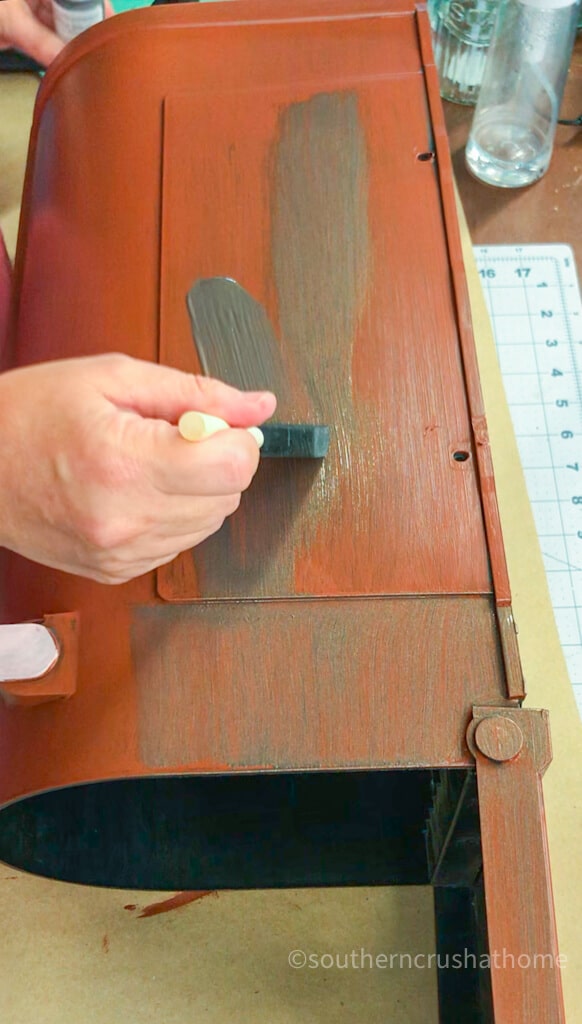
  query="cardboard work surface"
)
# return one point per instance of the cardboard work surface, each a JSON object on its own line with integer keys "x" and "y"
{"x": 71, "y": 953}
{"x": 546, "y": 677}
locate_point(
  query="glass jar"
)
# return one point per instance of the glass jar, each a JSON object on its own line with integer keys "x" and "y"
{"x": 511, "y": 138}
{"x": 461, "y": 32}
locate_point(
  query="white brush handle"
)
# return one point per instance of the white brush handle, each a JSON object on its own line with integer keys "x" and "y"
{"x": 195, "y": 426}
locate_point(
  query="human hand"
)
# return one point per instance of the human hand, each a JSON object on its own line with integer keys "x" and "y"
{"x": 94, "y": 476}
{"x": 29, "y": 26}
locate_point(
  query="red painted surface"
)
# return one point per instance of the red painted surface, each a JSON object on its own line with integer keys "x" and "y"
{"x": 526, "y": 973}
{"x": 390, "y": 515}
{"x": 181, "y": 899}
{"x": 209, "y": 667}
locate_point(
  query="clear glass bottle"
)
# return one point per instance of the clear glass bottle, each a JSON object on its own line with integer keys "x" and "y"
{"x": 73, "y": 16}
{"x": 461, "y": 31}
{"x": 511, "y": 138}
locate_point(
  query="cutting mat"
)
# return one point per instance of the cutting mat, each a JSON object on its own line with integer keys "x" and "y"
{"x": 533, "y": 298}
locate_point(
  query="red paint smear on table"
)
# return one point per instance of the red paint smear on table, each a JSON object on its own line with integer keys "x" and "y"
{"x": 181, "y": 899}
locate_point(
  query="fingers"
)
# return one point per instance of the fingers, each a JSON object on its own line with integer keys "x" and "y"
{"x": 44, "y": 11}
{"x": 120, "y": 570}
{"x": 167, "y": 521}
{"x": 221, "y": 464}
{"x": 165, "y": 393}
{"x": 126, "y": 563}
{"x": 105, "y": 490}
{"x": 22, "y": 29}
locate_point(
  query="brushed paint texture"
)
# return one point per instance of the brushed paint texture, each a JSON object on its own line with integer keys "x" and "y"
{"x": 321, "y": 258}
{"x": 234, "y": 337}
{"x": 329, "y": 220}
{"x": 312, "y": 684}
{"x": 320, "y": 246}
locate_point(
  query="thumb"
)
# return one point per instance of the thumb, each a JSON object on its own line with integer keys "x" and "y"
{"x": 161, "y": 392}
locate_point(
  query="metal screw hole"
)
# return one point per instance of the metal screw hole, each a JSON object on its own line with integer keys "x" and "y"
{"x": 425, "y": 157}
{"x": 460, "y": 456}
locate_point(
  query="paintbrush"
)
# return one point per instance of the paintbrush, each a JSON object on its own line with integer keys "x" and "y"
{"x": 236, "y": 343}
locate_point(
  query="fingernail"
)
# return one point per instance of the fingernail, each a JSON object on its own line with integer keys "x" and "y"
{"x": 255, "y": 395}
{"x": 257, "y": 434}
